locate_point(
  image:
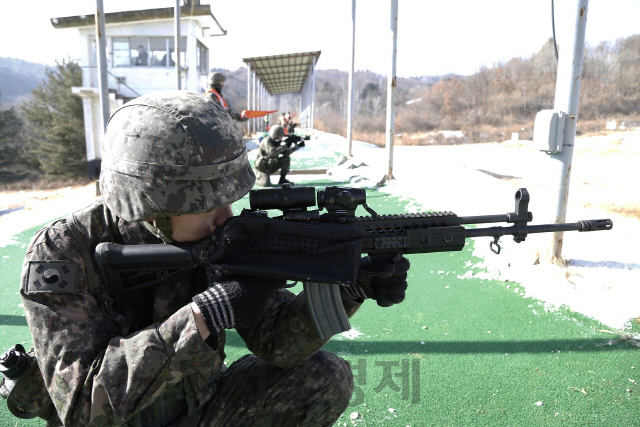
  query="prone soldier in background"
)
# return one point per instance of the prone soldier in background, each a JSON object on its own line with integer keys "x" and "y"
{"x": 172, "y": 166}
{"x": 274, "y": 155}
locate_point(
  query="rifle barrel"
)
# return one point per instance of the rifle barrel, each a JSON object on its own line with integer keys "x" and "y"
{"x": 485, "y": 219}
{"x": 585, "y": 225}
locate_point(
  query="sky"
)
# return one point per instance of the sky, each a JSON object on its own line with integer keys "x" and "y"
{"x": 434, "y": 37}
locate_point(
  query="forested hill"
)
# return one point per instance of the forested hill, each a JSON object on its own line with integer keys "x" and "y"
{"x": 505, "y": 97}
{"x": 331, "y": 89}
{"x": 17, "y": 79}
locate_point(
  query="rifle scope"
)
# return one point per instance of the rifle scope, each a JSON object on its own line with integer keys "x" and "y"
{"x": 285, "y": 198}
{"x": 341, "y": 198}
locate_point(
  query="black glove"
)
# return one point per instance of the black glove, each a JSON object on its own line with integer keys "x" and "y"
{"x": 236, "y": 301}
{"x": 381, "y": 280}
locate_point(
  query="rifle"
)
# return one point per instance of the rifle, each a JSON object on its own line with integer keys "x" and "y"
{"x": 294, "y": 143}
{"x": 295, "y": 139}
{"x": 321, "y": 250}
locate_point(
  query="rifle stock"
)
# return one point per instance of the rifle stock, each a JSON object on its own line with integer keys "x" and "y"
{"x": 321, "y": 250}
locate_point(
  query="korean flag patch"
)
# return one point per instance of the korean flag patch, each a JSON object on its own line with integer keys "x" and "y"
{"x": 52, "y": 276}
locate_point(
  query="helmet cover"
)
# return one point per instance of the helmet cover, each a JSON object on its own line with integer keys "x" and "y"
{"x": 276, "y": 132}
{"x": 172, "y": 153}
{"x": 215, "y": 78}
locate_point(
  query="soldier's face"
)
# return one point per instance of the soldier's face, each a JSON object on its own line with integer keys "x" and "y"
{"x": 191, "y": 228}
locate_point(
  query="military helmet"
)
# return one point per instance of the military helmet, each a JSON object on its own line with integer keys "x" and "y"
{"x": 215, "y": 78}
{"x": 172, "y": 153}
{"x": 276, "y": 132}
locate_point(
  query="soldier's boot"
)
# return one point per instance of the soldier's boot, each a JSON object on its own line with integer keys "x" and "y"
{"x": 264, "y": 180}
{"x": 283, "y": 180}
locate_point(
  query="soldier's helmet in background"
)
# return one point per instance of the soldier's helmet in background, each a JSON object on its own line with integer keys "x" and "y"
{"x": 276, "y": 132}
{"x": 172, "y": 153}
{"x": 215, "y": 78}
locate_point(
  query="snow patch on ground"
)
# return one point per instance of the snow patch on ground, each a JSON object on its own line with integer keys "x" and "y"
{"x": 602, "y": 276}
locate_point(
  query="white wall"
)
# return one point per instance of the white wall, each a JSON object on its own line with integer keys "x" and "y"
{"x": 146, "y": 79}
{"x": 141, "y": 79}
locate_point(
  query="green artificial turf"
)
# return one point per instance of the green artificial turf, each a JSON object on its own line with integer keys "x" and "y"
{"x": 457, "y": 352}
{"x": 12, "y": 321}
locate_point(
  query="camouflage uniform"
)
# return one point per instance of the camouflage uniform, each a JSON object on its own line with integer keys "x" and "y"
{"x": 270, "y": 158}
{"x": 273, "y": 156}
{"x": 214, "y": 94}
{"x": 144, "y": 363}
{"x": 211, "y": 97}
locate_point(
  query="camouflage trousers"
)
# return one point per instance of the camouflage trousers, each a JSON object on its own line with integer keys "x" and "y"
{"x": 252, "y": 393}
{"x": 271, "y": 165}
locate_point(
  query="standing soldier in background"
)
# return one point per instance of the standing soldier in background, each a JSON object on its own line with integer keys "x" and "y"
{"x": 214, "y": 94}
{"x": 284, "y": 121}
{"x": 266, "y": 122}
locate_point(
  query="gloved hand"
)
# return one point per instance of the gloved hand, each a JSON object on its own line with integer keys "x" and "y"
{"x": 236, "y": 301}
{"x": 381, "y": 280}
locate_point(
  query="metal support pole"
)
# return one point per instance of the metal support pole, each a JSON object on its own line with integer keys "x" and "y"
{"x": 249, "y": 96}
{"x": 262, "y": 104}
{"x": 253, "y": 103}
{"x": 313, "y": 91}
{"x": 177, "y": 45}
{"x": 566, "y": 99}
{"x": 300, "y": 109}
{"x": 258, "y": 121}
{"x": 103, "y": 86}
{"x": 271, "y": 104}
{"x": 350, "y": 89}
{"x": 391, "y": 87}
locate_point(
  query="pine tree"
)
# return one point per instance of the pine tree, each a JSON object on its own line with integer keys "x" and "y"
{"x": 11, "y": 168}
{"x": 55, "y": 124}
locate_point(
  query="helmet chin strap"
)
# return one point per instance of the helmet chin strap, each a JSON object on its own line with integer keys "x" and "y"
{"x": 162, "y": 230}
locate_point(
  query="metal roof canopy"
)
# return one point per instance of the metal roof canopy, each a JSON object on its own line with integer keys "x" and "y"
{"x": 283, "y": 73}
{"x": 196, "y": 10}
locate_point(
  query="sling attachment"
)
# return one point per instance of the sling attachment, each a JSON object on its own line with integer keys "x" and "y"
{"x": 495, "y": 243}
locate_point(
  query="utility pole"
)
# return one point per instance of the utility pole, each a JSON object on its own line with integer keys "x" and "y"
{"x": 567, "y": 94}
{"x": 391, "y": 88}
{"x": 103, "y": 82}
{"x": 350, "y": 96}
{"x": 177, "y": 45}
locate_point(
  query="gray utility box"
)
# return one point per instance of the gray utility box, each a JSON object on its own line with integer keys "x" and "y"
{"x": 548, "y": 131}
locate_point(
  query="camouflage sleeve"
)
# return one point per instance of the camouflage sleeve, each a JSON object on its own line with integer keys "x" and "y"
{"x": 286, "y": 336}
{"x": 236, "y": 116}
{"x": 273, "y": 149}
{"x": 94, "y": 375}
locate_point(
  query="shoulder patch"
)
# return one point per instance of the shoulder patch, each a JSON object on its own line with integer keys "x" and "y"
{"x": 52, "y": 276}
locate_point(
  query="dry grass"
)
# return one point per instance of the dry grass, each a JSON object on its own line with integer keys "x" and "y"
{"x": 629, "y": 210}
{"x": 41, "y": 184}
{"x": 473, "y": 134}
{"x": 627, "y": 338}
